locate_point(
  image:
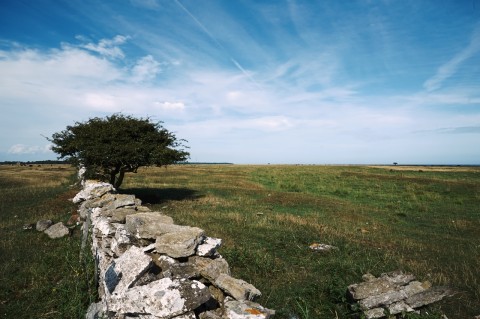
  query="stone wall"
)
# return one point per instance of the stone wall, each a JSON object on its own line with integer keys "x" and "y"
{"x": 149, "y": 267}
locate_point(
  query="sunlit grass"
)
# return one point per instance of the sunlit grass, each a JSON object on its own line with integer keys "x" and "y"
{"x": 426, "y": 222}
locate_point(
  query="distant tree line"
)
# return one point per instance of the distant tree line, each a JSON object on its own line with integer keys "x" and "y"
{"x": 47, "y": 162}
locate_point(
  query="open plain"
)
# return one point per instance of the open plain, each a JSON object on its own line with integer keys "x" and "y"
{"x": 424, "y": 220}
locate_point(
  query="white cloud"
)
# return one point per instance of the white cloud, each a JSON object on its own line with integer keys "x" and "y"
{"x": 25, "y": 149}
{"x": 170, "y": 106}
{"x": 448, "y": 69}
{"x": 146, "y": 69}
{"x": 101, "y": 101}
{"x": 108, "y": 47}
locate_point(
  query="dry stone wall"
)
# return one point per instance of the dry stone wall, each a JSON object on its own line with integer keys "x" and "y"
{"x": 149, "y": 267}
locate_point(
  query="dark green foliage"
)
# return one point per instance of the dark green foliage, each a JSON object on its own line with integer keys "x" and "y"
{"x": 109, "y": 147}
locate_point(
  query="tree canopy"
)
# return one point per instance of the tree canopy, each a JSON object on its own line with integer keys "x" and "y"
{"x": 109, "y": 147}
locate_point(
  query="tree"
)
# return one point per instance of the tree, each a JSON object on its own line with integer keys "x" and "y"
{"x": 112, "y": 146}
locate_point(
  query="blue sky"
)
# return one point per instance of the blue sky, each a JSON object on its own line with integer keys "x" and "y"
{"x": 321, "y": 82}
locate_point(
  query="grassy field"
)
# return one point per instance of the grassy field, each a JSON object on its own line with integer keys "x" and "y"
{"x": 40, "y": 277}
{"x": 418, "y": 219}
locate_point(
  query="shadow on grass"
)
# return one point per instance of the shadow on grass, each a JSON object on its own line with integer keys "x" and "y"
{"x": 160, "y": 195}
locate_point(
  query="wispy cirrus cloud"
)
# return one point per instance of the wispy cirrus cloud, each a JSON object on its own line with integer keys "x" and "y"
{"x": 448, "y": 69}
{"x": 108, "y": 47}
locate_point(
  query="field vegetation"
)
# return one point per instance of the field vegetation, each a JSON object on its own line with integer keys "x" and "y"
{"x": 418, "y": 219}
{"x": 40, "y": 277}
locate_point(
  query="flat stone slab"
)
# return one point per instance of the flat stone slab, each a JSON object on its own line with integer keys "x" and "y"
{"x": 126, "y": 270}
{"x": 235, "y": 309}
{"x": 180, "y": 244}
{"x": 150, "y": 225}
{"x": 92, "y": 189}
{"x": 164, "y": 298}
{"x": 210, "y": 268}
{"x": 209, "y": 246}
{"x": 237, "y": 288}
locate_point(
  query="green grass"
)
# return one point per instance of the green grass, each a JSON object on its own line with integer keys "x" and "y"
{"x": 40, "y": 277}
{"x": 426, "y": 222}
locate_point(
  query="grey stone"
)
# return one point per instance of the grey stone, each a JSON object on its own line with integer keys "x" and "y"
{"x": 57, "y": 231}
{"x": 121, "y": 200}
{"x": 429, "y": 296}
{"x": 382, "y": 299}
{"x": 43, "y": 224}
{"x": 211, "y": 315}
{"x": 209, "y": 246}
{"x": 164, "y": 298}
{"x": 322, "y": 247}
{"x": 99, "y": 202}
{"x": 94, "y": 311}
{"x": 399, "y": 307}
{"x": 398, "y": 277}
{"x": 180, "y": 244}
{"x": 210, "y": 268}
{"x": 118, "y": 215}
{"x": 92, "y": 189}
{"x": 237, "y": 288}
{"x": 414, "y": 287}
{"x": 235, "y": 309}
{"x": 368, "y": 277}
{"x": 174, "y": 269}
{"x": 150, "y": 225}
{"x": 102, "y": 227}
{"x": 129, "y": 267}
{"x": 374, "y": 313}
{"x": 370, "y": 288}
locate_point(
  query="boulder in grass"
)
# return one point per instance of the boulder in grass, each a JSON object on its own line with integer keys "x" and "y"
{"x": 58, "y": 230}
{"x": 43, "y": 224}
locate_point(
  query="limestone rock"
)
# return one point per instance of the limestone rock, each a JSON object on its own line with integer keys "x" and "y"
{"x": 382, "y": 299}
{"x": 370, "y": 288}
{"x": 374, "y": 313}
{"x": 164, "y": 298}
{"x": 92, "y": 189}
{"x": 149, "y": 225}
{"x": 237, "y": 288}
{"x": 103, "y": 227}
{"x": 118, "y": 215}
{"x": 209, "y": 246}
{"x": 429, "y": 296}
{"x": 99, "y": 201}
{"x": 235, "y": 309}
{"x": 57, "y": 231}
{"x": 322, "y": 247}
{"x": 43, "y": 224}
{"x": 211, "y": 315}
{"x": 121, "y": 241}
{"x": 121, "y": 200}
{"x": 94, "y": 311}
{"x": 211, "y": 269}
{"x": 174, "y": 269}
{"x": 399, "y": 307}
{"x": 180, "y": 244}
{"x": 126, "y": 270}
{"x": 398, "y": 277}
